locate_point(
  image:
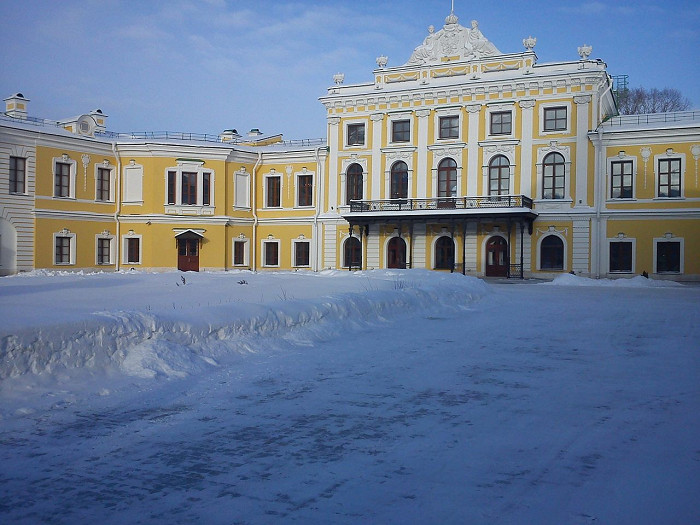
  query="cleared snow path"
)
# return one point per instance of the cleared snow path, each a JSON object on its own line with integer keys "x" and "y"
{"x": 530, "y": 404}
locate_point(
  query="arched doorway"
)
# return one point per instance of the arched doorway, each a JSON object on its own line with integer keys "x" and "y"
{"x": 396, "y": 253}
{"x": 496, "y": 257}
{"x": 444, "y": 253}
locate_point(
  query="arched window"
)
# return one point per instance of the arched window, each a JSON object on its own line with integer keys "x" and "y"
{"x": 553, "y": 176}
{"x": 552, "y": 253}
{"x": 399, "y": 180}
{"x": 447, "y": 178}
{"x": 499, "y": 176}
{"x": 444, "y": 253}
{"x": 353, "y": 183}
{"x": 352, "y": 256}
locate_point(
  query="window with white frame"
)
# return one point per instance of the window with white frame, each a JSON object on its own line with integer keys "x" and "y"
{"x": 189, "y": 184}
{"x": 273, "y": 191}
{"x": 104, "y": 254}
{"x": 352, "y": 253}
{"x": 553, "y": 176}
{"x": 668, "y": 254}
{"x": 240, "y": 252}
{"x": 669, "y": 177}
{"x": 621, "y": 178}
{"x": 551, "y": 253}
{"x": 555, "y": 118}
{"x": 271, "y": 253}
{"x": 241, "y": 189}
{"x": 64, "y": 247}
{"x": 64, "y": 177}
{"x": 499, "y": 175}
{"x": 305, "y": 189}
{"x": 104, "y": 183}
{"x": 500, "y": 122}
{"x": 355, "y": 135}
{"x": 133, "y": 183}
{"x": 448, "y": 127}
{"x": 18, "y": 175}
{"x": 354, "y": 183}
{"x": 132, "y": 249}
{"x": 621, "y": 255}
{"x": 302, "y": 253}
{"x": 401, "y": 130}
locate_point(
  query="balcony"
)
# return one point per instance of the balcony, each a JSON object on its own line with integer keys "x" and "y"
{"x": 441, "y": 208}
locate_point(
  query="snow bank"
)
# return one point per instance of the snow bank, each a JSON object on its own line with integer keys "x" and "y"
{"x": 638, "y": 281}
{"x": 173, "y": 324}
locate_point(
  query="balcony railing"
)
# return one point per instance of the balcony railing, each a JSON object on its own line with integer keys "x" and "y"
{"x": 441, "y": 203}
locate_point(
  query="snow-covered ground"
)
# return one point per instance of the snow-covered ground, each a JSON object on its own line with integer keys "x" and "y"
{"x": 337, "y": 397}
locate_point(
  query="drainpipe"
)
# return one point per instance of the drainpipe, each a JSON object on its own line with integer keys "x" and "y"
{"x": 118, "y": 209}
{"x": 254, "y": 183}
{"x": 318, "y": 187}
{"x": 598, "y": 196}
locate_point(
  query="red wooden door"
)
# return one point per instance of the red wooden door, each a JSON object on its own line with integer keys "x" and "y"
{"x": 396, "y": 253}
{"x": 188, "y": 255}
{"x": 496, "y": 257}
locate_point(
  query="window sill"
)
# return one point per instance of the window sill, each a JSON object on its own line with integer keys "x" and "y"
{"x": 64, "y": 198}
{"x": 661, "y": 199}
{"x": 97, "y": 201}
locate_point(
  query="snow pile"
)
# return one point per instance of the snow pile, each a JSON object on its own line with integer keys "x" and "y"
{"x": 638, "y": 281}
{"x": 174, "y": 324}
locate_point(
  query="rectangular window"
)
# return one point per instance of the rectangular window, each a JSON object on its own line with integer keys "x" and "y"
{"x": 621, "y": 179}
{"x": 103, "y": 251}
{"x": 238, "y": 253}
{"x": 668, "y": 257}
{"x": 669, "y": 177}
{"x": 273, "y": 192}
{"x": 240, "y": 190}
{"x": 305, "y": 186}
{"x": 62, "y": 250}
{"x": 555, "y": 119}
{"x": 449, "y": 127}
{"x": 501, "y": 123}
{"x": 401, "y": 131}
{"x": 621, "y": 257}
{"x": 171, "y": 187}
{"x": 18, "y": 174}
{"x": 62, "y": 180}
{"x": 356, "y": 134}
{"x": 133, "y": 255}
{"x": 301, "y": 253}
{"x": 206, "y": 189}
{"x": 189, "y": 188}
{"x": 104, "y": 180}
{"x": 271, "y": 254}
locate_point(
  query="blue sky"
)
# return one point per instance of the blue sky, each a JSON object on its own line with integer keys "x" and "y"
{"x": 208, "y": 65}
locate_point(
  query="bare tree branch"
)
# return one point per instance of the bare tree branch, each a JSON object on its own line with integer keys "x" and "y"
{"x": 641, "y": 100}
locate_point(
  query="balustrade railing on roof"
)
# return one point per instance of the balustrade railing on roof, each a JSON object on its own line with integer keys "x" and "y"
{"x": 441, "y": 203}
{"x": 652, "y": 118}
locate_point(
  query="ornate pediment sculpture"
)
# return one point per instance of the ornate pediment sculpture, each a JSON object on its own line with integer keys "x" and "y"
{"x": 453, "y": 40}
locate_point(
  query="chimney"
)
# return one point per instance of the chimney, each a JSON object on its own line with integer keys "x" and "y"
{"x": 16, "y": 106}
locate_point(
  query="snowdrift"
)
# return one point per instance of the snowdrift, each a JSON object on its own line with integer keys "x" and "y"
{"x": 173, "y": 324}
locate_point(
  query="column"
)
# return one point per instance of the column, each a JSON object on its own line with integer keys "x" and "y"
{"x": 526, "y": 148}
{"x": 377, "y": 169}
{"x": 333, "y": 140}
{"x": 473, "y": 171}
{"x": 423, "y": 178}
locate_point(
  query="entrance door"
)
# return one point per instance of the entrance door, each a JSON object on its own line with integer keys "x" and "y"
{"x": 188, "y": 255}
{"x": 396, "y": 253}
{"x": 496, "y": 257}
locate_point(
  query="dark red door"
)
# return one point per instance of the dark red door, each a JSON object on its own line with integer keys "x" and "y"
{"x": 396, "y": 253}
{"x": 496, "y": 257}
{"x": 188, "y": 255}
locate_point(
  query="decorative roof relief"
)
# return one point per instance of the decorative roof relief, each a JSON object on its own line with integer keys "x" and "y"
{"x": 453, "y": 40}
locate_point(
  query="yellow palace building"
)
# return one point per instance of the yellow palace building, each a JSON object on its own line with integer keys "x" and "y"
{"x": 462, "y": 159}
